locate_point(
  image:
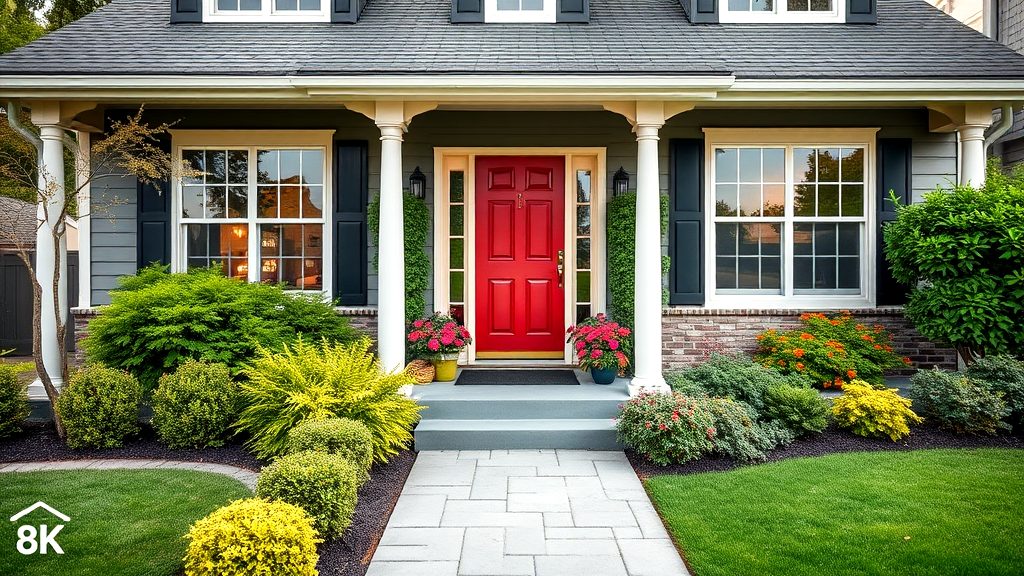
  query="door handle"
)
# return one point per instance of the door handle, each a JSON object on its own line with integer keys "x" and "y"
{"x": 561, "y": 268}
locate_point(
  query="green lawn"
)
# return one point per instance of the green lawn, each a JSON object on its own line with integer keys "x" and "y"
{"x": 930, "y": 512}
{"x": 128, "y": 522}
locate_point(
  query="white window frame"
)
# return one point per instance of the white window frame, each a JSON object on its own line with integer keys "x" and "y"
{"x": 252, "y": 140}
{"x": 790, "y": 138}
{"x": 493, "y": 15}
{"x": 265, "y": 14}
{"x": 781, "y": 14}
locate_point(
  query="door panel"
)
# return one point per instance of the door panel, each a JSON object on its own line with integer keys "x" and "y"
{"x": 520, "y": 227}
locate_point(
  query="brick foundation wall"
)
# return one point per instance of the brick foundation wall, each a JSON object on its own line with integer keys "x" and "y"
{"x": 692, "y": 334}
{"x": 363, "y": 318}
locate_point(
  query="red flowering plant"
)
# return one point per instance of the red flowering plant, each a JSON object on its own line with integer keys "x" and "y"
{"x": 599, "y": 343}
{"x": 667, "y": 428}
{"x": 436, "y": 336}
{"x": 831, "y": 350}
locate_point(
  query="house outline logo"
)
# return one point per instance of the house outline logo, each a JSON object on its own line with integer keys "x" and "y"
{"x": 41, "y": 538}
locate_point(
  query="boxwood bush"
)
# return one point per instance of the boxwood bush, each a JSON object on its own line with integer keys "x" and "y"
{"x": 14, "y": 406}
{"x": 1004, "y": 375}
{"x": 156, "y": 321}
{"x": 324, "y": 485}
{"x": 956, "y": 402}
{"x": 731, "y": 376}
{"x": 801, "y": 410}
{"x": 253, "y": 536}
{"x": 343, "y": 436}
{"x": 99, "y": 407}
{"x": 195, "y": 406}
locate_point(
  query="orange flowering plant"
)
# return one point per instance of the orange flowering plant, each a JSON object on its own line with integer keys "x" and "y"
{"x": 831, "y": 350}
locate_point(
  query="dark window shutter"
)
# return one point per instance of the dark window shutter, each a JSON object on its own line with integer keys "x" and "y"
{"x": 186, "y": 11}
{"x": 346, "y": 10}
{"x": 464, "y": 11}
{"x": 573, "y": 11}
{"x": 701, "y": 11}
{"x": 153, "y": 211}
{"x": 686, "y": 221}
{"x": 894, "y": 174}
{"x": 351, "y": 191}
{"x": 861, "y": 11}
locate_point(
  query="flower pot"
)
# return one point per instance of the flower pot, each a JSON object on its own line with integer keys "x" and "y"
{"x": 604, "y": 375}
{"x": 445, "y": 369}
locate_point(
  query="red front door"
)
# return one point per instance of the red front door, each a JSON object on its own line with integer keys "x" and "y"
{"x": 520, "y": 243}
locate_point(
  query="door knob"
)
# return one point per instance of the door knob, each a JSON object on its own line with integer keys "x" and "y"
{"x": 561, "y": 268}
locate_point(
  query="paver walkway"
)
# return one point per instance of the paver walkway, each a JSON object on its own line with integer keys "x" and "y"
{"x": 524, "y": 513}
{"x": 247, "y": 477}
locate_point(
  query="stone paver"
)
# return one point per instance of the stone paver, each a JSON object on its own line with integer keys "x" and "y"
{"x": 243, "y": 475}
{"x": 524, "y": 513}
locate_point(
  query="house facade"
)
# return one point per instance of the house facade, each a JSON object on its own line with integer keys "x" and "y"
{"x": 776, "y": 130}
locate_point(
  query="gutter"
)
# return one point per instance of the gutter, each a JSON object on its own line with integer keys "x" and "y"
{"x": 13, "y": 108}
{"x": 1005, "y": 123}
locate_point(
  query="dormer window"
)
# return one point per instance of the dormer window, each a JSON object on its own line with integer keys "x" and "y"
{"x": 519, "y": 11}
{"x": 782, "y": 11}
{"x": 266, "y": 11}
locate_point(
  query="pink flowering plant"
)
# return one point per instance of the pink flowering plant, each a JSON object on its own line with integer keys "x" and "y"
{"x": 599, "y": 343}
{"x": 436, "y": 336}
{"x": 667, "y": 428}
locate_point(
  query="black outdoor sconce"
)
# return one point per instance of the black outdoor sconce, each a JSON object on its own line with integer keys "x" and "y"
{"x": 418, "y": 184}
{"x": 620, "y": 182}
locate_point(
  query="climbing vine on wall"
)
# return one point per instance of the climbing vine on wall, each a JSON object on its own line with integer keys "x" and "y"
{"x": 622, "y": 257}
{"x": 417, "y": 264}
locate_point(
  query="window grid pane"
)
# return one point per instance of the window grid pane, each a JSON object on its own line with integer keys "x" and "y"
{"x": 456, "y": 242}
{"x": 584, "y": 216}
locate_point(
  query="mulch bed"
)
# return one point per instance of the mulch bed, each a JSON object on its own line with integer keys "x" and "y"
{"x": 832, "y": 441}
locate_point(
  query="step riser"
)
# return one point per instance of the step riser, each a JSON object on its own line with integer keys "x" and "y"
{"x": 516, "y": 440}
{"x": 518, "y": 409}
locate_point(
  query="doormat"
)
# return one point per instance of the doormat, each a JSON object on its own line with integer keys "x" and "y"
{"x": 487, "y": 377}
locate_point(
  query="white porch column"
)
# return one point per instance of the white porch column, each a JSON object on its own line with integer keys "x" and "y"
{"x": 647, "y": 297}
{"x": 391, "y": 244}
{"x": 51, "y": 202}
{"x": 82, "y": 167}
{"x": 972, "y": 154}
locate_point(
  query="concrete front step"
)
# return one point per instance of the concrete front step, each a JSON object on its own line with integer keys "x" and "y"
{"x": 503, "y": 434}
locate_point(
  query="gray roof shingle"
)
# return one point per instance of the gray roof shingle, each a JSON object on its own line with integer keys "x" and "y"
{"x": 135, "y": 37}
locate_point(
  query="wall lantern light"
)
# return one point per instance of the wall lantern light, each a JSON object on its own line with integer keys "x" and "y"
{"x": 418, "y": 184}
{"x": 620, "y": 182}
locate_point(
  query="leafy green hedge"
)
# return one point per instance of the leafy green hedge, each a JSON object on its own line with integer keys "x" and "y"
{"x": 621, "y": 254}
{"x": 417, "y": 264}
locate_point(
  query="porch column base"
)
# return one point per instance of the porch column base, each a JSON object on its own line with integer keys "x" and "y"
{"x": 640, "y": 385}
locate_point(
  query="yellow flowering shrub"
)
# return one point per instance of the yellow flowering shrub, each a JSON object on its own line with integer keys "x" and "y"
{"x": 867, "y": 411}
{"x": 253, "y": 537}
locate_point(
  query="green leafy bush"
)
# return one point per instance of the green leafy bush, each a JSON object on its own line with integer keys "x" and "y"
{"x": 417, "y": 263}
{"x": 324, "y": 485}
{"x": 739, "y": 436}
{"x": 99, "y": 407}
{"x": 621, "y": 233}
{"x": 253, "y": 536}
{"x": 962, "y": 252}
{"x": 957, "y": 403}
{"x": 667, "y": 428}
{"x": 1004, "y": 375}
{"x": 868, "y": 411}
{"x": 156, "y": 321}
{"x": 800, "y": 409}
{"x": 14, "y": 406}
{"x": 831, "y": 350}
{"x": 731, "y": 376}
{"x": 195, "y": 406}
{"x": 311, "y": 382}
{"x": 348, "y": 438}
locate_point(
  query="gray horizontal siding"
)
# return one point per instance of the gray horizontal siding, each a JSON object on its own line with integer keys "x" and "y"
{"x": 113, "y": 218}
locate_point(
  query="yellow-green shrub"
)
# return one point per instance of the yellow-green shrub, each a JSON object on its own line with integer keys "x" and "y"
{"x": 342, "y": 436}
{"x": 867, "y": 411}
{"x": 253, "y": 536}
{"x": 324, "y": 485}
{"x": 100, "y": 407}
{"x": 195, "y": 406}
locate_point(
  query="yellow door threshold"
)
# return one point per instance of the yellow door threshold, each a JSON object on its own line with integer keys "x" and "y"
{"x": 521, "y": 355}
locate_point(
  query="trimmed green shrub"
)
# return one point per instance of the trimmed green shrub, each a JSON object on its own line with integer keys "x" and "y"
{"x": 343, "y": 436}
{"x": 324, "y": 485}
{"x": 14, "y": 406}
{"x": 312, "y": 382}
{"x": 195, "y": 406}
{"x": 417, "y": 263}
{"x": 731, "y": 376}
{"x": 739, "y": 436}
{"x": 961, "y": 253}
{"x": 1004, "y": 375}
{"x": 667, "y": 428}
{"x": 800, "y": 409}
{"x": 253, "y": 536}
{"x": 156, "y": 321}
{"x": 868, "y": 411}
{"x": 622, "y": 257}
{"x": 957, "y": 403}
{"x": 99, "y": 407}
